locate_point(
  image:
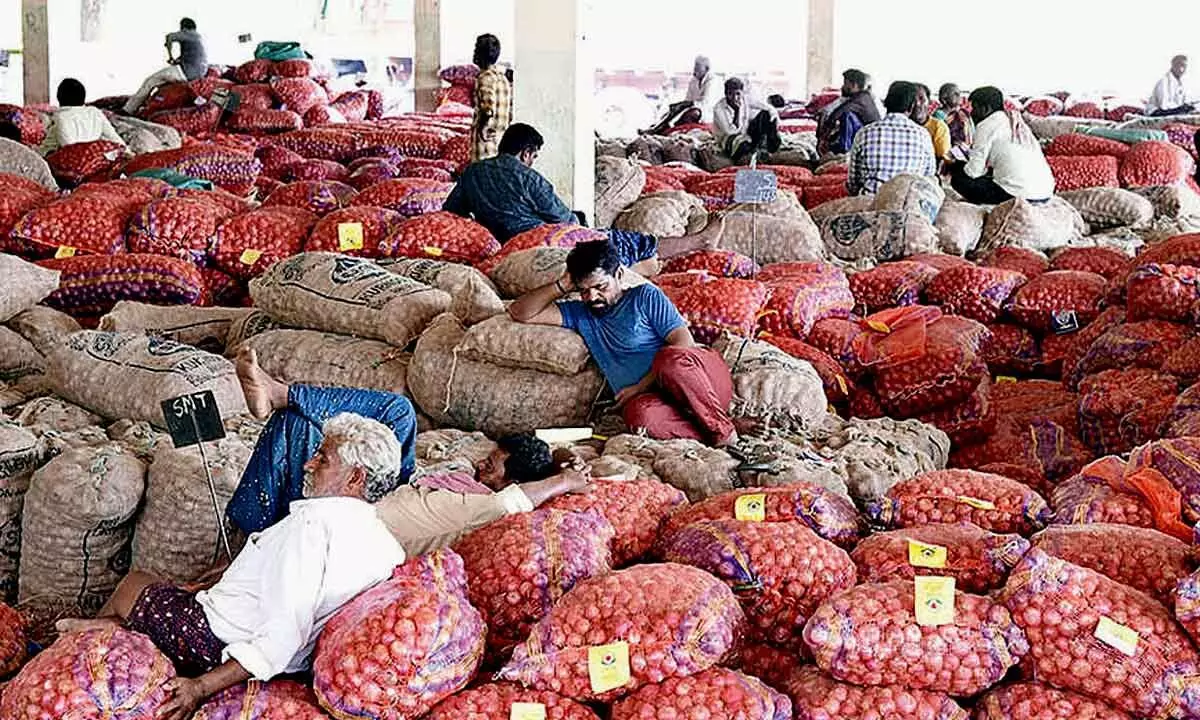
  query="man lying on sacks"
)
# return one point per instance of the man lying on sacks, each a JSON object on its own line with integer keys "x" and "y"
{"x": 665, "y": 384}
{"x": 263, "y": 617}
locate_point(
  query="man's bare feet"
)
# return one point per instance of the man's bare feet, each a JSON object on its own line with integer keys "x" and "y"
{"x": 261, "y": 390}
{"x": 741, "y": 427}
{"x": 71, "y": 625}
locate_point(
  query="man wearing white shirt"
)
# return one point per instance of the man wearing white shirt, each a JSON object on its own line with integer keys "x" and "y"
{"x": 697, "y": 104}
{"x": 1169, "y": 96}
{"x": 1005, "y": 161}
{"x": 263, "y": 617}
{"x": 743, "y": 125}
{"x": 75, "y": 122}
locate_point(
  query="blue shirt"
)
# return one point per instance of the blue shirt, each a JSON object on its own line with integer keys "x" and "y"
{"x": 506, "y": 197}
{"x": 625, "y": 339}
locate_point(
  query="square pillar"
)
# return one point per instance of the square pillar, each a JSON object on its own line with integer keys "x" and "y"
{"x": 820, "y": 44}
{"x": 427, "y": 56}
{"x": 553, "y": 90}
{"x": 35, "y": 50}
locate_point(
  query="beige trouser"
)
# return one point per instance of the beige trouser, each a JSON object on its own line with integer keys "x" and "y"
{"x": 169, "y": 74}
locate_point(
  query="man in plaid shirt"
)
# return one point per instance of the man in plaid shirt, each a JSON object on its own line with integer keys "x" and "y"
{"x": 493, "y": 100}
{"x": 893, "y": 146}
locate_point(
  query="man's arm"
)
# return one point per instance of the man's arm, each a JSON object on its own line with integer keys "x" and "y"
{"x": 856, "y": 169}
{"x": 457, "y": 201}
{"x": 539, "y": 306}
{"x": 722, "y": 121}
{"x": 977, "y": 160}
{"x": 172, "y": 38}
{"x": 108, "y": 132}
{"x": 680, "y": 337}
{"x": 547, "y": 205}
{"x": 186, "y": 694}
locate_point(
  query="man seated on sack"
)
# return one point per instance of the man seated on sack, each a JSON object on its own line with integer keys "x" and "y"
{"x": 697, "y": 105}
{"x": 939, "y": 131}
{"x": 420, "y": 518}
{"x": 843, "y": 119}
{"x": 665, "y": 384}
{"x": 743, "y": 125}
{"x": 1006, "y": 159}
{"x": 264, "y": 615}
{"x": 16, "y": 158}
{"x": 1170, "y": 96}
{"x": 508, "y": 197}
{"x": 75, "y": 122}
{"x": 190, "y": 64}
{"x": 957, "y": 118}
{"x": 891, "y": 147}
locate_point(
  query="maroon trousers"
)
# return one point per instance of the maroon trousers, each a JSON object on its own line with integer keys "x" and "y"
{"x": 693, "y": 389}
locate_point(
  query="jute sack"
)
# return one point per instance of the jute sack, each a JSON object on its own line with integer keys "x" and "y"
{"x": 55, "y": 414}
{"x": 473, "y": 298}
{"x": 1105, "y": 207}
{"x": 43, "y": 326}
{"x": 765, "y": 238}
{"x": 912, "y": 194}
{"x": 1042, "y": 226}
{"x": 528, "y": 270}
{"x": 699, "y": 471}
{"x": 877, "y": 454}
{"x": 842, "y": 206}
{"x": 20, "y": 454}
{"x": 177, "y": 537}
{"x": 959, "y": 226}
{"x": 77, "y": 524}
{"x": 18, "y": 357}
{"x": 246, "y": 327}
{"x": 314, "y": 358}
{"x": 347, "y": 295}
{"x": 203, "y": 327}
{"x": 618, "y": 184}
{"x": 793, "y": 462}
{"x": 472, "y": 395}
{"x": 138, "y": 437}
{"x": 771, "y": 386}
{"x": 448, "y": 444}
{"x": 1172, "y": 202}
{"x": 500, "y": 341}
{"x": 127, "y": 375}
{"x": 668, "y": 214}
{"x": 25, "y": 285}
{"x": 877, "y": 235}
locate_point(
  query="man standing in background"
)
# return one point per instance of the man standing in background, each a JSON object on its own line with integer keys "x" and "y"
{"x": 190, "y": 64}
{"x": 493, "y": 100}
{"x": 1169, "y": 96}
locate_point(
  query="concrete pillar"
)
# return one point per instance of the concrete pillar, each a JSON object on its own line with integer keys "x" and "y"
{"x": 820, "y": 44}
{"x": 35, "y": 50}
{"x": 553, "y": 91}
{"x": 427, "y": 58}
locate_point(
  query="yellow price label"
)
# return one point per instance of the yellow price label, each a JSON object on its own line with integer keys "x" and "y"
{"x": 926, "y": 556}
{"x": 527, "y": 711}
{"x": 608, "y": 666}
{"x": 879, "y": 326}
{"x": 1117, "y": 636}
{"x": 976, "y": 503}
{"x": 64, "y": 251}
{"x": 841, "y": 383}
{"x": 432, "y": 251}
{"x": 934, "y": 601}
{"x": 350, "y": 236}
{"x": 1004, "y": 379}
{"x": 250, "y": 256}
{"x": 750, "y": 508}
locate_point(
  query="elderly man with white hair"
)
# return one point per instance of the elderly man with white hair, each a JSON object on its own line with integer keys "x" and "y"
{"x": 263, "y": 617}
{"x": 697, "y": 104}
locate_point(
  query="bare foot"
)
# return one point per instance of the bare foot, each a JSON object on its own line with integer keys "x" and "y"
{"x": 260, "y": 389}
{"x": 741, "y": 427}
{"x": 72, "y": 625}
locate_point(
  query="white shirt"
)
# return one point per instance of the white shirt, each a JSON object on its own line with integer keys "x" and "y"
{"x": 79, "y": 124}
{"x": 728, "y": 122}
{"x": 1020, "y": 169}
{"x": 700, "y": 94}
{"x": 1168, "y": 94}
{"x": 273, "y": 601}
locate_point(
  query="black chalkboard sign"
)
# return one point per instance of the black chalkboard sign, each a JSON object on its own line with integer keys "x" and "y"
{"x": 193, "y": 418}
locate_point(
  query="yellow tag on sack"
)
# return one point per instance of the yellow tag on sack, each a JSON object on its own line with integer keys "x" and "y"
{"x": 841, "y": 383}
{"x": 1003, "y": 379}
{"x": 750, "y": 508}
{"x": 350, "y": 236}
{"x": 250, "y": 256}
{"x": 976, "y": 503}
{"x": 934, "y": 601}
{"x": 926, "y": 556}
{"x": 608, "y": 666}
{"x": 879, "y": 326}
{"x": 432, "y": 251}
{"x": 1117, "y": 636}
{"x": 527, "y": 711}
{"x": 64, "y": 251}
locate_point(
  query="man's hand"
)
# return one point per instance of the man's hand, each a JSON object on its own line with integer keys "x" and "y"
{"x": 184, "y": 696}
{"x": 487, "y": 134}
{"x": 633, "y": 391}
{"x": 575, "y": 481}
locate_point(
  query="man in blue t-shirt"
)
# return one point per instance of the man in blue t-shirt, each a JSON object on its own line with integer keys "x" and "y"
{"x": 664, "y": 382}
